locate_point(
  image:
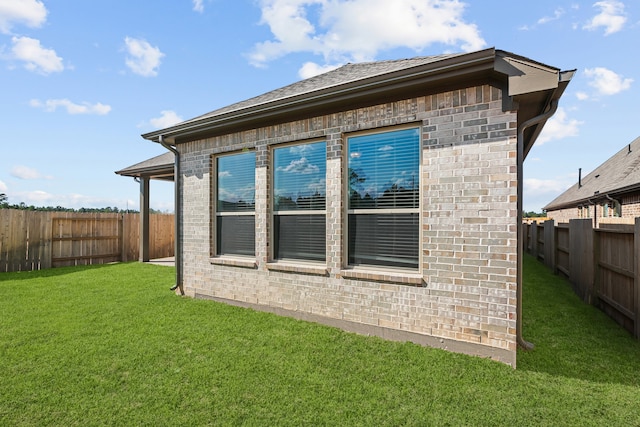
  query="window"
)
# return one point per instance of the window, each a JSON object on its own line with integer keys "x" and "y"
{"x": 235, "y": 204}
{"x": 299, "y": 215}
{"x": 383, "y": 179}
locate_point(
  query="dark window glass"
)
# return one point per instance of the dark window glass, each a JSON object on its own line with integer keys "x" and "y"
{"x": 384, "y": 199}
{"x": 300, "y": 237}
{"x": 299, "y": 201}
{"x": 236, "y": 235}
{"x": 387, "y": 239}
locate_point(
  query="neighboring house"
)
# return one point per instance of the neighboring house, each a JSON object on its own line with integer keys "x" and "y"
{"x": 609, "y": 194}
{"x": 383, "y": 198}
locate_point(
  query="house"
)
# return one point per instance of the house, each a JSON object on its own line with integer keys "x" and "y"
{"x": 383, "y": 198}
{"x": 609, "y": 194}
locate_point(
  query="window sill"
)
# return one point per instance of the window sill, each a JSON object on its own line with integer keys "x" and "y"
{"x": 234, "y": 262}
{"x": 298, "y": 267}
{"x": 405, "y": 278}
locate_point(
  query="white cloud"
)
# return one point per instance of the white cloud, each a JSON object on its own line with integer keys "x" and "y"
{"x": 167, "y": 118}
{"x": 51, "y": 105}
{"x": 558, "y": 127}
{"x": 357, "y": 30}
{"x": 36, "y": 57}
{"x": 32, "y": 13}
{"x": 556, "y": 15}
{"x": 27, "y": 173}
{"x": 612, "y": 17}
{"x": 582, "y": 96}
{"x": 311, "y": 69}
{"x": 606, "y": 82}
{"x": 300, "y": 166}
{"x": 536, "y": 187}
{"x": 143, "y": 58}
{"x": 539, "y": 192}
{"x": 198, "y": 6}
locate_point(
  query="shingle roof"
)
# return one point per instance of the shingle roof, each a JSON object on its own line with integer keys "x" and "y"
{"x": 346, "y": 74}
{"x": 159, "y": 165}
{"x": 619, "y": 174}
{"x": 535, "y": 86}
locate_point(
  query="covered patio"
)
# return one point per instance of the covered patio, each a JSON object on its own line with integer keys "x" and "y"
{"x": 159, "y": 168}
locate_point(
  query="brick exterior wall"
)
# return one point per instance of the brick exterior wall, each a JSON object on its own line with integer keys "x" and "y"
{"x": 464, "y": 296}
{"x": 630, "y": 209}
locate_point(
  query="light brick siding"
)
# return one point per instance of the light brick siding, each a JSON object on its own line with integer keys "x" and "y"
{"x": 630, "y": 209}
{"x": 464, "y": 297}
{"x": 631, "y": 206}
{"x": 564, "y": 215}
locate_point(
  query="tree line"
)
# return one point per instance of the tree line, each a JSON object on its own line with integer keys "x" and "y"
{"x": 4, "y": 204}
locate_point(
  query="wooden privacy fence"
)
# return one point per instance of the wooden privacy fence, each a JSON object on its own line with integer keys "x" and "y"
{"x": 602, "y": 264}
{"x": 33, "y": 240}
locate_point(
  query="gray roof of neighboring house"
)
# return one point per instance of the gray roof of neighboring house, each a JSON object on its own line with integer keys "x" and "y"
{"x": 159, "y": 167}
{"x": 615, "y": 177}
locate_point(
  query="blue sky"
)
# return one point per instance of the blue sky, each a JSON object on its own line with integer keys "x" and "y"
{"x": 81, "y": 80}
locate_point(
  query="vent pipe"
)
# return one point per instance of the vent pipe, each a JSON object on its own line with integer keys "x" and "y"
{"x": 579, "y": 177}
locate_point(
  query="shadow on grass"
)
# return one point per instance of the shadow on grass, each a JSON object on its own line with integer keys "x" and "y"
{"x": 572, "y": 339}
{"x": 51, "y": 272}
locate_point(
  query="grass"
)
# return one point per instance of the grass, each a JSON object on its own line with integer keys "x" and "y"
{"x": 111, "y": 345}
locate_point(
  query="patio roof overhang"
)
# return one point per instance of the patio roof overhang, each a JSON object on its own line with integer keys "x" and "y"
{"x": 160, "y": 167}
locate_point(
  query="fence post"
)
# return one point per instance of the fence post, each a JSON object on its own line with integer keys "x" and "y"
{"x": 550, "y": 244}
{"x": 121, "y": 238}
{"x": 581, "y": 258}
{"x": 533, "y": 238}
{"x": 636, "y": 280}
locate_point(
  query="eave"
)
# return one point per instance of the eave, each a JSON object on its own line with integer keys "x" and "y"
{"x": 529, "y": 87}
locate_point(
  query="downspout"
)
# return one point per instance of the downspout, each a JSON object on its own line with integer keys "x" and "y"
{"x": 553, "y": 106}
{"x": 177, "y": 216}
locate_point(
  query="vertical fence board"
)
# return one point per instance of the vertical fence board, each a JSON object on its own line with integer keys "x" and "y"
{"x": 615, "y": 278}
{"x": 562, "y": 250}
{"x": 636, "y": 279}
{"x": 549, "y": 244}
{"x": 581, "y": 264}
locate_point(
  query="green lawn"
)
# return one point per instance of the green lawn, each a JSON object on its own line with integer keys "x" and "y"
{"x": 111, "y": 345}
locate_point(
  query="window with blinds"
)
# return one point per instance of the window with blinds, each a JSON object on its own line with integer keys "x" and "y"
{"x": 235, "y": 204}
{"x": 299, "y": 201}
{"x": 383, "y": 181}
